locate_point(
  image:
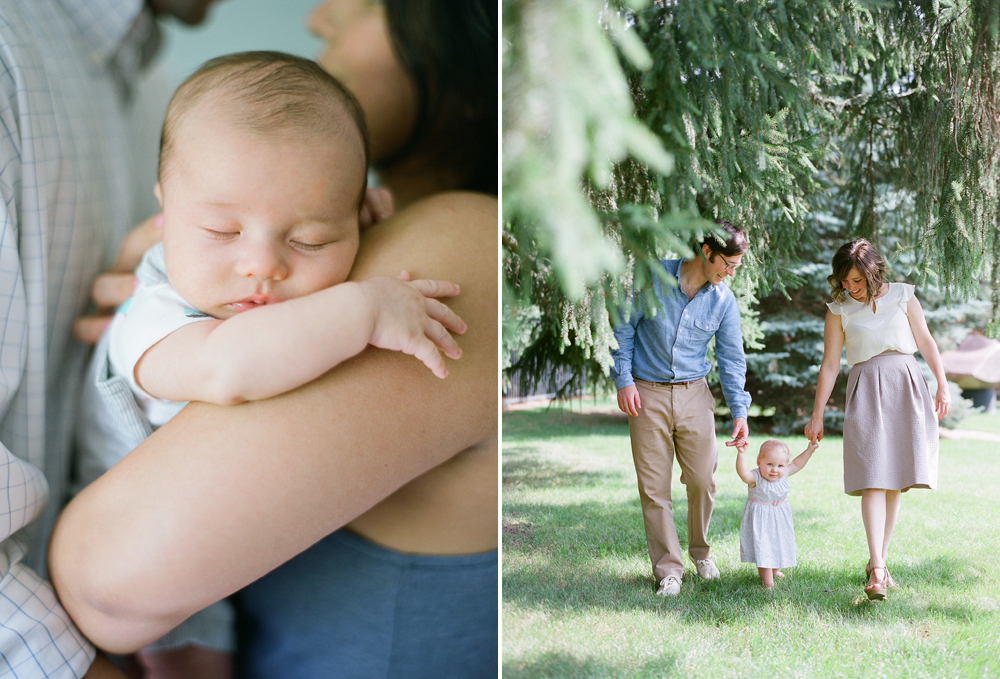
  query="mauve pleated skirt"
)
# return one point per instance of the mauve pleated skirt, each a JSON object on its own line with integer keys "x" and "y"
{"x": 890, "y": 428}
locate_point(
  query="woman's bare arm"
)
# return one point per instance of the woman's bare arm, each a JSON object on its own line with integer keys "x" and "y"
{"x": 221, "y": 495}
{"x": 929, "y": 350}
{"x": 833, "y": 347}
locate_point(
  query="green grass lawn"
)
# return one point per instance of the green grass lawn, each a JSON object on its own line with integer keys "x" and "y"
{"x": 578, "y": 594}
{"x": 981, "y": 422}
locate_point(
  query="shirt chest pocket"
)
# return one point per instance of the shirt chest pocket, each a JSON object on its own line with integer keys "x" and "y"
{"x": 703, "y": 328}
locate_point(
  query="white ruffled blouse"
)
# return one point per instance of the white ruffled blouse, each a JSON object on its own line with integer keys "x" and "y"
{"x": 870, "y": 332}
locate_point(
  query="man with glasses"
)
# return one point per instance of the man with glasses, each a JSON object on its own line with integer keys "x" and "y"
{"x": 659, "y": 368}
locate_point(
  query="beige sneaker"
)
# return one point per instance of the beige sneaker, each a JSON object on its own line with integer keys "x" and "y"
{"x": 669, "y": 586}
{"x": 707, "y": 569}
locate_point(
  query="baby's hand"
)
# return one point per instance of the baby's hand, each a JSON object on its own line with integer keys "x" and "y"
{"x": 378, "y": 205}
{"x": 410, "y": 320}
{"x": 812, "y": 445}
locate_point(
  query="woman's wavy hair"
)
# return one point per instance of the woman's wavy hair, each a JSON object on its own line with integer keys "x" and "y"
{"x": 449, "y": 50}
{"x": 861, "y": 255}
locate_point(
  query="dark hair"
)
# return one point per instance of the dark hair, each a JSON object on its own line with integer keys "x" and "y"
{"x": 449, "y": 50}
{"x": 273, "y": 91}
{"x": 861, "y": 255}
{"x": 736, "y": 243}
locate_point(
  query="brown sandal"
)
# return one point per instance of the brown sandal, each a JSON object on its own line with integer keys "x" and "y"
{"x": 890, "y": 583}
{"x": 876, "y": 591}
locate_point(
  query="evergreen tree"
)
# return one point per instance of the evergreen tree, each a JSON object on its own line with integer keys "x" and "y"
{"x": 629, "y": 127}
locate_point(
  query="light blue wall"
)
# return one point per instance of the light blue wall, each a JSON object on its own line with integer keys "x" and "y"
{"x": 231, "y": 26}
{"x": 237, "y": 26}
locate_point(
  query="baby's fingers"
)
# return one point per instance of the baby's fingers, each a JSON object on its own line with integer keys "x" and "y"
{"x": 426, "y": 352}
{"x": 433, "y": 288}
{"x": 445, "y": 316}
{"x": 442, "y": 339}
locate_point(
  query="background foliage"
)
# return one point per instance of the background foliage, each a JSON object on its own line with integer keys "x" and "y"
{"x": 628, "y": 127}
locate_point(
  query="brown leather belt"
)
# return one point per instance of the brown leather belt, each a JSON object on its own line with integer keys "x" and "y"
{"x": 672, "y": 384}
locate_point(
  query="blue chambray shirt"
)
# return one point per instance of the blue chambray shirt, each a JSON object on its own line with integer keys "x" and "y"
{"x": 673, "y": 345}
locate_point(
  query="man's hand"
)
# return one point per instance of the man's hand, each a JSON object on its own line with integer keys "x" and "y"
{"x": 114, "y": 287}
{"x": 102, "y": 668}
{"x": 628, "y": 400}
{"x": 740, "y": 433}
{"x": 190, "y": 661}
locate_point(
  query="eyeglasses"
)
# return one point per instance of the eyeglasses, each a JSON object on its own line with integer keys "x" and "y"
{"x": 730, "y": 266}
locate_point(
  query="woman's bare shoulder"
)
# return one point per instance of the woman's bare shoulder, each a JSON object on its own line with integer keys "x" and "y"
{"x": 453, "y": 237}
{"x": 462, "y": 203}
{"x": 439, "y": 236}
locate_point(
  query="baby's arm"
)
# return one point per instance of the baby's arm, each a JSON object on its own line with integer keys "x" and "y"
{"x": 799, "y": 462}
{"x": 742, "y": 469}
{"x": 276, "y": 348}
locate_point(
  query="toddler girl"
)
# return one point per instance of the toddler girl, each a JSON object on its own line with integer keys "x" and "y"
{"x": 767, "y": 535}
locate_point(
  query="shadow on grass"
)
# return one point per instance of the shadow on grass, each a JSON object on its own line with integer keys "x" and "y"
{"x": 525, "y": 467}
{"x": 738, "y": 595}
{"x": 520, "y": 425}
{"x": 591, "y": 554}
{"x": 582, "y": 531}
{"x": 565, "y": 665}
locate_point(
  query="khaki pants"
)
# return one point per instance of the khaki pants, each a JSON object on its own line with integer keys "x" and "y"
{"x": 674, "y": 421}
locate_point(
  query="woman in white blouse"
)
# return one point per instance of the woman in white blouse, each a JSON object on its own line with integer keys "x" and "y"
{"x": 890, "y": 428}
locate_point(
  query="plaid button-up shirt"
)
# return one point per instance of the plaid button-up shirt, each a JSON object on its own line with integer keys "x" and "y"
{"x": 65, "y": 180}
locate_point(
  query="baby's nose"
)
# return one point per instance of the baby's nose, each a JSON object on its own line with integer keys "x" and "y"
{"x": 263, "y": 262}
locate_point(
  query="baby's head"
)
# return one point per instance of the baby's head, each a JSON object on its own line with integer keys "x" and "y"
{"x": 263, "y": 165}
{"x": 772, "y": 460}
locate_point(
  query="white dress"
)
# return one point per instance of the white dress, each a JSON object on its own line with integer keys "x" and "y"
{"x": 767, "y": 534}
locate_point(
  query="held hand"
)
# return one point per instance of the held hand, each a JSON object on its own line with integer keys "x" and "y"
{"x": 102, "y": 668}
{"x": 629, "y": 401}
{"x": 115, "y": 286}
{"x": 377, "y": 206}
{"x": 812, "y": 446}
{"x": 740, "y": 433}
{"x": 942, "y": 402}
{"x": 190, "y": 661}
{"x": 814, "y": 430}
{"x": 409, "y": 319}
